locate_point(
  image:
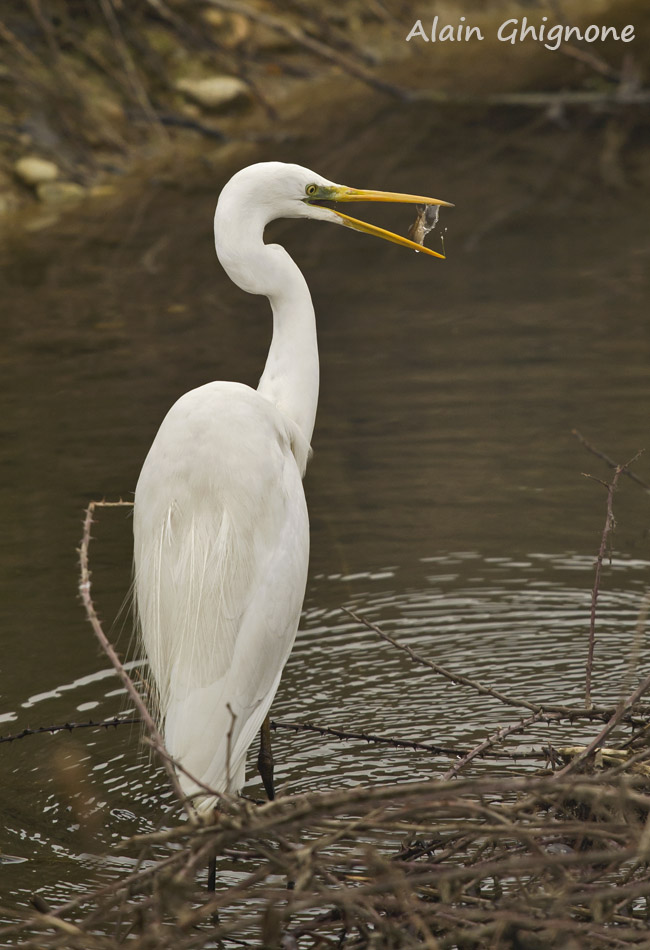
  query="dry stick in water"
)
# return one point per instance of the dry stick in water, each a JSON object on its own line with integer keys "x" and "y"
{"x": 490, "y": 741}
{"x": 91, "y": 613}
{"x": 397, "y": 742}
{"x": 69, "y": 726}
{"x": 549, "y": 710}
{"x": 610, "y": 522}
{"x": 605, "y": 731}
{"x": 608, "y": 461}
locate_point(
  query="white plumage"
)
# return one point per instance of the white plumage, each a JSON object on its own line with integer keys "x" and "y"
{"x": 220, "y": 521}
{"x": 222, "y": 585}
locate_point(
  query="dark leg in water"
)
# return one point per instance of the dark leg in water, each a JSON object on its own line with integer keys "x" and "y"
{"x": 212, "y": 879}
{"x": 212, "y": 884}
{"x": 212, "y": 873}
{"x": 265, "y": 767}
{"x": 265, "y": 759}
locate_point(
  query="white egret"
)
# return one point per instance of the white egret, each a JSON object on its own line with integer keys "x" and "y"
{"x": 220, "y": 521}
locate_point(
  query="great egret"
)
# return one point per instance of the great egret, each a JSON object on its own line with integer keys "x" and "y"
{"x": 220, "y": 521}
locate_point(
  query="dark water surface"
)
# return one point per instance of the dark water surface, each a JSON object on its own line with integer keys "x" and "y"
{"x": 445, "y": 491}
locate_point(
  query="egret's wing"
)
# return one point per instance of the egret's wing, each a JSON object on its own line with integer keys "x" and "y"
{"x": 210, "y": 728}
{"x": 221, "y": 549}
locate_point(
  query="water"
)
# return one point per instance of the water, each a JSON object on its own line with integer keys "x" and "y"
{"x": 445, "y": 492}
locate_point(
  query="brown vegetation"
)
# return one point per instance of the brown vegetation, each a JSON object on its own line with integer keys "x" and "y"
{"x": 91, "y": 87}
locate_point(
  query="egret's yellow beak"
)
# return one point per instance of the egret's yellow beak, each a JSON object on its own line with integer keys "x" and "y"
{"x": 341, "y": 193}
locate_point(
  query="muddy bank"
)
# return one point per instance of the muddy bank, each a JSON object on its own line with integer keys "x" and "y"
{"x": 90, "y": 93}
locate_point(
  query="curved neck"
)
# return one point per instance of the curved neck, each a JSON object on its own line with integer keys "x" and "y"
{"x": 290, "y": 377}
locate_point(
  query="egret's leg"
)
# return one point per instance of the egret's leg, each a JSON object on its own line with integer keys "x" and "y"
{"x": 212, "y": 875}
{"x": 212, "y": 885}
{"x": 265, "y": 759}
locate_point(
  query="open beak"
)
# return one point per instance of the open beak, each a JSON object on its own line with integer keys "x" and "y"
{"x": 342, "y": 193}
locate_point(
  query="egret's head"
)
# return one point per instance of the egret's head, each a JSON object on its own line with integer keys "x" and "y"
{"x": 271, "y": 190}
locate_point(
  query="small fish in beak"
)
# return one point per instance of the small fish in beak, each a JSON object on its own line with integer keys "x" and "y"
{"x": 318, "y": 194}
{"x": 426, "y": 219}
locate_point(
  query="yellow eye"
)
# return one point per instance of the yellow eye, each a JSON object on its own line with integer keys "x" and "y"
{"x": 311, "y": 189}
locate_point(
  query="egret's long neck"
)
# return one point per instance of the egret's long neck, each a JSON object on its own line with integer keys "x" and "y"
{"x": 290, "y": 377}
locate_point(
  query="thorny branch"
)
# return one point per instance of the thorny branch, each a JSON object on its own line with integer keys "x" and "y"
{"x": 498, "y": 736}
{"x": 396, "y": 742}
{"x": 86, "y": 597}
{"x": 607, "y": 530}
{"x": 547, "y": 710}
{"x": 626, "y": 704}
{"x": 609, "y": 461}
{"x": 69, "y": 727}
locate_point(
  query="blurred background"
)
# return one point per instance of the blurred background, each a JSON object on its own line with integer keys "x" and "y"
{"x": 445, "y": 493}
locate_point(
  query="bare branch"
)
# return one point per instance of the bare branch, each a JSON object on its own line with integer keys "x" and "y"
{"x": 91, "y": 613}
{"x": 605, "y": 458}
{"x": 297, "y": 35}
{"x": 491, "y": 741}
{"x": 607, "y": 530}
{"x": 548, "y": 710}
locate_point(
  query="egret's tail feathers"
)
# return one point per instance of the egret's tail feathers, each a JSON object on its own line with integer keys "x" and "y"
{"x": 187, "y": 585}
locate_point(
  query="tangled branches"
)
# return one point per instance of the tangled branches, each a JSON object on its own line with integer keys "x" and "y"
{"x": 530, "y": 862}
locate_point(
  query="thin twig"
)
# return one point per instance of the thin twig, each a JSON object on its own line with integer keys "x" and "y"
{"x": 605, "y": 731}
{"x": 69, "y": 727}
{"x": 610, "y": 524}
{"x": 490, "y": 741}
{"x": 179, "y": 767}
{"x": 547, "y": 709}
{"x": 138, "y": 89}
{"x": 605, "y": 458}
{"x": 12, "y": 40}
{"x": 295, "y": 33}
{"x": 394, "y": 741}
{"x": 91, "y": 613}
{"x": 589, "y": 58}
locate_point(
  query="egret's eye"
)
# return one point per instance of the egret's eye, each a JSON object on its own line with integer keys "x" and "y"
{"x": 311, "y": 190}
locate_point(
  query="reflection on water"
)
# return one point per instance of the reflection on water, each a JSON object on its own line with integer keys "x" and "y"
{"x": 518, "y": 625}
{"x": 449, "y": 391}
